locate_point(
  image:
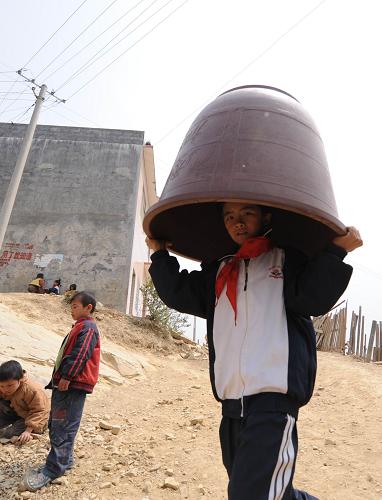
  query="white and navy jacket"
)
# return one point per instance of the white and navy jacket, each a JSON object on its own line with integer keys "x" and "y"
{"x": 272, "y": 346}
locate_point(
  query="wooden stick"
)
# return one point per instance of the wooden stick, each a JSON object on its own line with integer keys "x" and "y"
{"x": 371, "y": 341}
{"x": 359, "y": 331}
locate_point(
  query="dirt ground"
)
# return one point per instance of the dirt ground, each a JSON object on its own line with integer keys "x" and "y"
{"x": 169, "y": 431}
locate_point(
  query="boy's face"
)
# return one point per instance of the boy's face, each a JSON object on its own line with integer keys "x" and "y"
{"x": 80, "y": 311}
{"x": 243, "y": 221}
{"x": 9, "y": 387}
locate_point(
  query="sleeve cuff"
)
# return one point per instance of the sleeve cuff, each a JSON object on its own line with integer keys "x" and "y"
{"x": 334, "y": 249}
{"x": 158, "y": 254}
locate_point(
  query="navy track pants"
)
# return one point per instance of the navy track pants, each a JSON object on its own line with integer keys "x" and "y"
{"x": 259, "y": 453}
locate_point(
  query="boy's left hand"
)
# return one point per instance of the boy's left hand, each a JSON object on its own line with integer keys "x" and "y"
{"x": 24, "y": 438}
{"x": 350, "y": 241}
{"x": 63, "y": 385}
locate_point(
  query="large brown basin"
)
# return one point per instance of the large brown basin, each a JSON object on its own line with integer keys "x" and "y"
{"x": 252, "y": 144}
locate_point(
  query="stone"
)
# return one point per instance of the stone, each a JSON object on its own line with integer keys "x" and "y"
{"x": 116, "y": 429}
{"x": 170, "y": 483}
{"x": 98, "y": 440}
{"x": 105, "y": 425}
{"x": 197, "y": 420}
{"x": 107, "y": 468}
{"x": 81, "y": 454}
{"x": 146, "y": 487}
{"x": 196, "y": 387}
{"x": 201, "y": 489}
{"x": 61, "y": 481}
{"x": 154, "y": 468}
{"x": 169, "y": 472}
{"x": 330, "y": 442}
{"x": 131, "y": 473}
{"x": 106, "y": 485}
{"x": 170, "y": 437}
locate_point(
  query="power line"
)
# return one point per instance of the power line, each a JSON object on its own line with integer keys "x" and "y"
{"x": 49, "y": 39}
{"x": 77, "y": 37}
{"x": 96, "y": 38}
{"x": 20, "y": 115}
{"x": 12, "y": 110}
{"x": 11, "y": 81}
{"x": 131, "y": 46}
{"x": 253, "y": 61}
{"x": 15, "y": 99}
{"x": 6, "y": 95}
{"x": 91, "y": 61}
{"x": 20, "y": 93}
{"x": 83, "y": 117}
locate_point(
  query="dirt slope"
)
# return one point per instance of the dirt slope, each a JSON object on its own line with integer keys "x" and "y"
{"x": 340, "y": 454}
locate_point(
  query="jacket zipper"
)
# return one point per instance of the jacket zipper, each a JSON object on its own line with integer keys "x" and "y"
{"x": 246, "y": 264}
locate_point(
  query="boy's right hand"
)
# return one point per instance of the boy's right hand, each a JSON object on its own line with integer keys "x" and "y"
{"x": 156, "y": 245}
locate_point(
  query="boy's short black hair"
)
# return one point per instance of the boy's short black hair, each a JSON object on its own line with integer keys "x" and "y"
{"x": 73, "y": 286}
{"x": 85, "y": 298}
{"x": 40, "y": 275}
{"x": 11, "y": 370}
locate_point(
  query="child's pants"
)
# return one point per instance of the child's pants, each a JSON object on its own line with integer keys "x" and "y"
{"x": 64, "y": 422}
{"x": 259, "y": 452}
{"x": 10, "y": 423}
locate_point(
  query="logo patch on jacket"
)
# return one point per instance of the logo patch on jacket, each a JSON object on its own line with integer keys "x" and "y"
{"x": 276, "y": 272}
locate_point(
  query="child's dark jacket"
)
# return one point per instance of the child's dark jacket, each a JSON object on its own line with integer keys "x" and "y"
{"x": 310, "y": 287}
{"x": 80, "y": 357}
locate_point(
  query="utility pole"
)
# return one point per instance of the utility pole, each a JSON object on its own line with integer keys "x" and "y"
{"x": 194, "y": 330}
{"x": 9, "y": 200}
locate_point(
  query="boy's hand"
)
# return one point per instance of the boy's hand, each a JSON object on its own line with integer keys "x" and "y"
{"x": 350, "y": 241}
{"x": 63, "y": 384}
{"x": 156, "y": 245}
{"x": 24, "y": 437}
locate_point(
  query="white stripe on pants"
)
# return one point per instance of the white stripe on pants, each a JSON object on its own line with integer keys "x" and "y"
{"x": 284, "y": 466}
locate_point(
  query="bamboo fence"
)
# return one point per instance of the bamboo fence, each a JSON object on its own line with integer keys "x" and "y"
{"x": 331, "y": 334}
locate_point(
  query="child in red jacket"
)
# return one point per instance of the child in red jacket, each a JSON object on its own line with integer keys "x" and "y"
{"x": 74, "y": 376}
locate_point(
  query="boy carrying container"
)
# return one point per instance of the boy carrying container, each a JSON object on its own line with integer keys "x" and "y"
{"x": 250, "y": 196}
{"x": 74, "y": 376}
{"x": 24, "y": 405}
{"x": 262, "y": 344}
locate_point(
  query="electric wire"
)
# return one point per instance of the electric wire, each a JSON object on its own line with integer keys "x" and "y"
{"x": 253, "y": 61}
{"x": 77, "y": 37}
{"x": 50, "y": 38}
{"x": 18, "y": 98}
{"x": 91, "y": 61}
{"x": 93, "y": 40}
{"x": 129, "y": 48}
{"x": 6, "y": 95}
{"x": 20, "y": 115}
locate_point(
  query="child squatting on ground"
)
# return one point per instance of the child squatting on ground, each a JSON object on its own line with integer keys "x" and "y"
{"x": 24, "y": 405}
{"x": 74, "y": 376}
{"x": 262, "y": 344}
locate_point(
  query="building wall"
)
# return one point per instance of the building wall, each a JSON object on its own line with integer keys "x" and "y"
{"x": 140, "y": 259}
{"x": 74, "y": 215}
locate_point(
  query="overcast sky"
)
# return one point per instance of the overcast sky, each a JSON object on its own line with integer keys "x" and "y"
{"x": 180, "y": 55}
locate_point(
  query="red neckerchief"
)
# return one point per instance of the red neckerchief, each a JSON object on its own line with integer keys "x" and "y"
{"x": 229, "y": 274}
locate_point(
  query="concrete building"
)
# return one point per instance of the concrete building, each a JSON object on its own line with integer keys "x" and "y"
{"x": 78, "y": 213}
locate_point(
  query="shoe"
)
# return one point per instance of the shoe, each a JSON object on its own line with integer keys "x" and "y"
{"x": 35, "y": 480}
